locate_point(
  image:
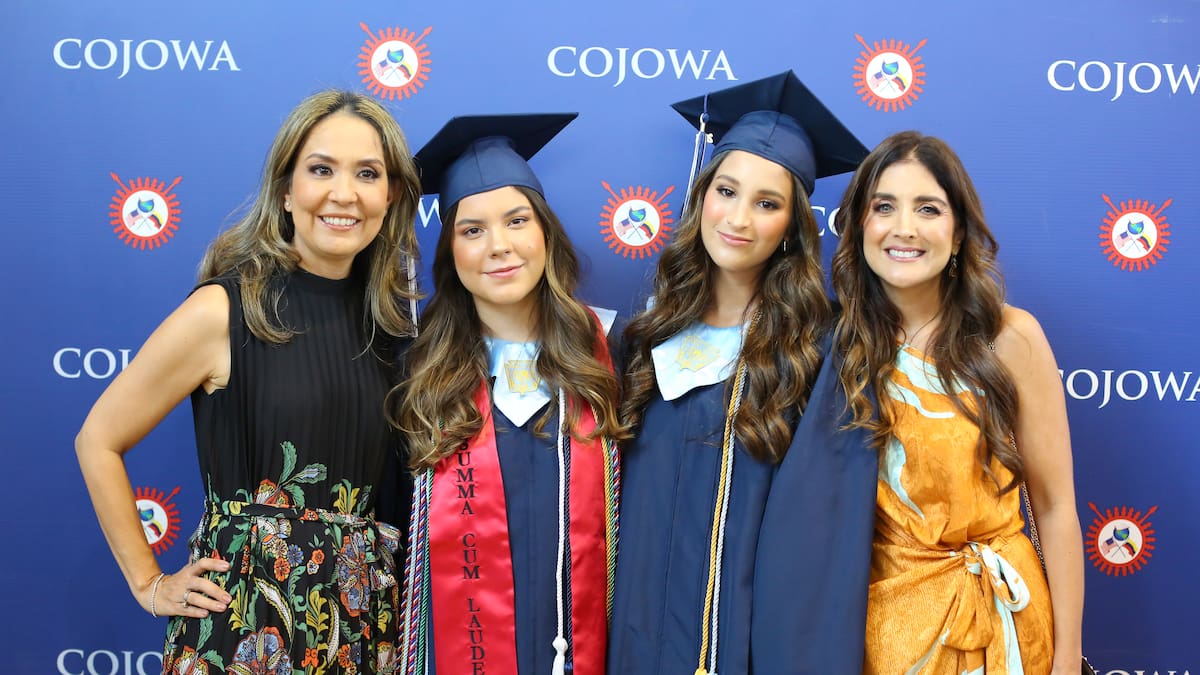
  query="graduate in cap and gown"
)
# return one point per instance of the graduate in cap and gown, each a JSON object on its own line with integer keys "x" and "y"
{"x": 747, "y": 514}
{"x": 509, "y": 409}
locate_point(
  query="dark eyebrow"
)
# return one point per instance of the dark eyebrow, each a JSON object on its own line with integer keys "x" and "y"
{"x": 372, "y": 161}
{"x": 730, "y": 179}
{"x": 507, "y": 214}
{"x": 773, "y": 193}
{"x": 919, "y": 198}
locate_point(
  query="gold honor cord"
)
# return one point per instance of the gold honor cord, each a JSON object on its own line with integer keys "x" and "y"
{"x": 612, "y": 491}
{"x": 716, "y": 546}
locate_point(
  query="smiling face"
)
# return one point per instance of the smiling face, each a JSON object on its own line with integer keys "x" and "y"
{"x": 339, "y": 194}
{"x": 499, "y": 252}
{"x": 746, "y": 213}
{"x": 909, "y": 233}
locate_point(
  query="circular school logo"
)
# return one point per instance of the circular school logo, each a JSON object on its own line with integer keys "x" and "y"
{"x": 889, "y": 75}
{"x": 1120, "y": 540}
{"x": 636, "y": 221}
{"x": 145, "y": 212}
{"x": 1135, "y": 234}
{"x": 159, "y": 516}
{"x": 394, "y": 63}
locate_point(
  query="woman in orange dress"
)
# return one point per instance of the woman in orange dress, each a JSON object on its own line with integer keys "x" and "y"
{"x": 959, "y": 377}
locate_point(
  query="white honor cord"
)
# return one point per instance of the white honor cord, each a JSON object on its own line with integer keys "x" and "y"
{"x": 560, "y": 642}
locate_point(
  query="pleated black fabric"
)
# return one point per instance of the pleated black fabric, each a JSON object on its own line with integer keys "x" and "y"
{"x": 322, "y": 392}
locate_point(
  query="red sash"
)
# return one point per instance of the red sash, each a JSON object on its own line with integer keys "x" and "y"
{"x": 471, "y": 578}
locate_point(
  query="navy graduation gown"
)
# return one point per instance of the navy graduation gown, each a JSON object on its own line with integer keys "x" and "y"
{"x": 813, "y": 563}
{"x": 797, "y": 550}
{"x": 529, "y": 466}
{"x": 669, "y": 486}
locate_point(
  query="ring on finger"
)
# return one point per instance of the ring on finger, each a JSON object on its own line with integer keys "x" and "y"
{"x": 184, "y": 602}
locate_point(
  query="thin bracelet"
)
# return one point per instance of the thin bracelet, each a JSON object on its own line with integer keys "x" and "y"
{"x": 154, "y": 591}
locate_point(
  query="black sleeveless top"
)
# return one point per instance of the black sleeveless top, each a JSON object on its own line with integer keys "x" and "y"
{"x": 320, "y": 394}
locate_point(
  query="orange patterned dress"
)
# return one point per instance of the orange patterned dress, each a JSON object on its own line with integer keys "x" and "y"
{"x": 956, "y": 587}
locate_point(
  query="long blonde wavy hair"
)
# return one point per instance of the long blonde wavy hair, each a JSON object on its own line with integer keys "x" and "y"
{"x": 258, "y": 247}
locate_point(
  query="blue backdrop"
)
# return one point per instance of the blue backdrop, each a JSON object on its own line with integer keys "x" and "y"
{"x": 134, "y": 129}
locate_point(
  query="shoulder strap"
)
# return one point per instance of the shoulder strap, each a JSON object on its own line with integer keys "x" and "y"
{"x": 1033, "y": 531}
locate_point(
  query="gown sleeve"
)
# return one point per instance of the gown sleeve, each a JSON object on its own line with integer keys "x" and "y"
{"x": 813, "y": 561}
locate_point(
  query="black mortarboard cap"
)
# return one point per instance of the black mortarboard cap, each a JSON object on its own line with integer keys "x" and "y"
{"x": 478, "y": 153}
{"x": 779, "y": 119}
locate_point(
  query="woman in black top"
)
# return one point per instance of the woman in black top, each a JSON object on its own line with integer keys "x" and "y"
{"x": 283, "y": 349}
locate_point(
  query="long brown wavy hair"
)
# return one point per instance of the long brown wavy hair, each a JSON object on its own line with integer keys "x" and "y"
{"x": 258, "y": 247}
{"x": 780, "y": 349}
{"x": 972, "y": 304}
{"x": 447, "y": 362}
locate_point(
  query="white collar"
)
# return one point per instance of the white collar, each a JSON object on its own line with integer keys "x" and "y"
{"x": 697, "y": 356}
{"x": 606, "y": 316}
{"x": 519, "y": 392}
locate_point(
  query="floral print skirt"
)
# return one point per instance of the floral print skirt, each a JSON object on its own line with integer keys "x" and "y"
{"x": 313, "y": 591}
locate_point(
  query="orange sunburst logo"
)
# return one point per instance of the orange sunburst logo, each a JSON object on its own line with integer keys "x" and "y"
{"x": 1134, "y": 235}
{"x": 1121, "y": 540}
{"x": 394, "y": 63}
{"x": 145, "y": 213}
{"x": 636, "y": 222}
{"x": 889, "y": 75}
{"x": 159, "y": 516}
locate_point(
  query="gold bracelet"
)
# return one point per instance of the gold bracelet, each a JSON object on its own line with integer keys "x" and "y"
{"x": 154, "y": 591}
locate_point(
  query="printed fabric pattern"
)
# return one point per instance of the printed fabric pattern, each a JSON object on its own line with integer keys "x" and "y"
{"x": 956, "y": 587}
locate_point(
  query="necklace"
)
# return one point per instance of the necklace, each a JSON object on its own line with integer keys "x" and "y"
{"x": 910, "y": 340}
